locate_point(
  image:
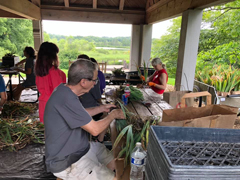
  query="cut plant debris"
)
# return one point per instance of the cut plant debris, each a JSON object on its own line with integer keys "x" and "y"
{"x": 16, "y": 134}
{"x": 13, "y": 109}
{"x": 131, "y": 130}
{"x": 135, "y": 94}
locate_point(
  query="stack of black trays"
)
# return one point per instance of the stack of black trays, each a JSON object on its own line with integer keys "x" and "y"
{"x": 177, "y": 153}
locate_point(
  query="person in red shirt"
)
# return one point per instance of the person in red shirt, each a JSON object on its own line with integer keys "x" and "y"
{"x": 158, "y": 81}
{"x": 48, "y": 75}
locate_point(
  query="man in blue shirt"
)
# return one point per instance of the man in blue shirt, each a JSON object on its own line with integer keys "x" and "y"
{"x": 3, "y": 93}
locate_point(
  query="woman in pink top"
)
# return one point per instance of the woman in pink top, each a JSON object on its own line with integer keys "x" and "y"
{"x": 48, "y": 76}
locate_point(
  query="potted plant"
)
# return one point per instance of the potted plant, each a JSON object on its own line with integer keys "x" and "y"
{"x": 118, "y": 72}
{"x": 224, "y": 79}
{"x": 9, "y": 60}
{"x": 236, "y": 89}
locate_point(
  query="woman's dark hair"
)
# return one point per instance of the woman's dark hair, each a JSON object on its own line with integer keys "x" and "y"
{"x": 83, "y": 56}
{"x": 46, "y": 58}
{"x": 30, "y": 51}
{"x": 93, "y": 60}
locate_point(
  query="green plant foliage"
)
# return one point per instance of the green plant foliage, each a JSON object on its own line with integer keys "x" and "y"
{"x": 218, "y": 44}
{"x": 13, "y": 109}
{"x": 131, "y": 131}
{"x": 17, "y": 129}
{"x": 16, "y": 134}
{"x": 15, "y": 35}
{"x": 118, "y": 72}
{"x": 223, "y": 78}
{"x": 166, "y": 47}
{"x": 136, "y": 94}
{"x": 70, "y": 47}
{"x": 9, "y": 55}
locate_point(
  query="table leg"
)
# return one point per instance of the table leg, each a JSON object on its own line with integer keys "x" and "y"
{"x": 10, "y": 86}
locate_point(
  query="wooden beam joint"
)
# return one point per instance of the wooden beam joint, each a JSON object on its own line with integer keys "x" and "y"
{"x": 66, "y": 3}
{"x": 121, "y": 5}
{"x": 94, "y": 4}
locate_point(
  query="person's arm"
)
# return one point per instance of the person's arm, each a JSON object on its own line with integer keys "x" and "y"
{"x": 99, "y": 109}
{"x": 21, "y": 62}
{"x": 150, "y": 78}
{"x": 163, "y": 81}
{"x": 96, "y": 127}
{"x": 3, "y": 99}
{"x": 28, "y": 67}
{"x": 27, "y": 71}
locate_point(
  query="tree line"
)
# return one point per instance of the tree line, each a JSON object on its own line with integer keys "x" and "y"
{"x": 123, "y": 42}
{"x": 219, "y": 42}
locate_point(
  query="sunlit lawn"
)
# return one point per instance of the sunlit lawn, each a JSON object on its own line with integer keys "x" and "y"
{"x": 171, "y": 81}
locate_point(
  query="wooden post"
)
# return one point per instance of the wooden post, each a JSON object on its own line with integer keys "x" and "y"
{"x": 197, "y": 94}
{"x": 188, "y": 49}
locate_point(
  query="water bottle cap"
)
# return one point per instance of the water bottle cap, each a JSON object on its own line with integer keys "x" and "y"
{"x": 138, "y": 144}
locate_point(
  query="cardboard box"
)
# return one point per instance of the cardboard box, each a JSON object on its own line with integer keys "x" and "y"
{"x": 210, "y": 116}
{"x": 122, "y": 173}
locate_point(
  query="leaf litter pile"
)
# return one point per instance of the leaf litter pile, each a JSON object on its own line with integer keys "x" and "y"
{"x": 17, "y": 127}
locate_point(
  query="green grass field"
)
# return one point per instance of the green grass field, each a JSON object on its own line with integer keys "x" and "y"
{"x": 171, "y": 81}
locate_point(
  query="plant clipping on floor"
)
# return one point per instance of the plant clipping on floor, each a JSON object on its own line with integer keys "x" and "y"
{"x": 16, "y": 134}
{"x": 17, "y": 127}
{"x": 13, "y": 109}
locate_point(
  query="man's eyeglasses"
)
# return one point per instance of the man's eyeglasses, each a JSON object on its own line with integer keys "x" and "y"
{"x": 95, "y": 80}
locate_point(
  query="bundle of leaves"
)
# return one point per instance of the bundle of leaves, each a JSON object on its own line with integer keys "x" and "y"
{"x": 135, "y": 94}
{"x": 118, "y": 72}
{"x": 9, "y": 55}
{"x": 145, "y": 72}
{"x": 131, "y": 130}
{"x": 16, "y": 134}
{"x": 13, "y": 109}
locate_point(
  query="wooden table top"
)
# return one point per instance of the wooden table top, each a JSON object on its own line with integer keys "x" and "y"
{"x": 155, "y": 109}
{"x": 8, "y": 71}
{"x": 157, "y": 105}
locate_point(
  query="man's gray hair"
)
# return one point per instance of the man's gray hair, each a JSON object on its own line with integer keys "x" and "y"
{"x": 81, "y": 69}
{"x": 157, "y": 61}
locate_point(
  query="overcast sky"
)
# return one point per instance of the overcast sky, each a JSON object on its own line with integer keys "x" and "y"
{"x": 97, "y": 29}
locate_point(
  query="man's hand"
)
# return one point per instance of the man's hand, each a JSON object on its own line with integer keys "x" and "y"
{"x": 152, "y": 84}
{"x": 106, "y": 107}
{"x": 117, "y": 114}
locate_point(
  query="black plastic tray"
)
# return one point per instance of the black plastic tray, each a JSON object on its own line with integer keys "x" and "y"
{"x": 159, "y": 165}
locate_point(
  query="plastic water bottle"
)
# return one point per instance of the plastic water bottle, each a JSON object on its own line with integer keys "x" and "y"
{"x": 137, "y": 162}
{"x": 127, "y": 90}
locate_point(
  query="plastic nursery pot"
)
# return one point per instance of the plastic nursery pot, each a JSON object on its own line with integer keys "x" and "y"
{"x": 235, "y": 92}
{"x": 224, "y": 94}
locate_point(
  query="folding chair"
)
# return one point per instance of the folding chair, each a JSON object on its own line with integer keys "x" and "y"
{"x": 103, "y": 66}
